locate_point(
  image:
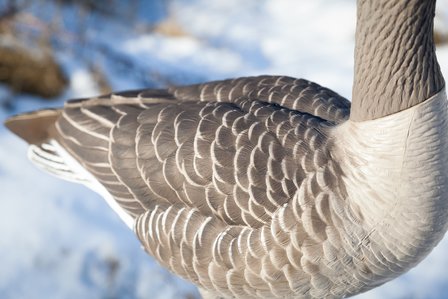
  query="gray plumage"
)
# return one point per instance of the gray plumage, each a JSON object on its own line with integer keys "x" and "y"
{"x": 395, "y": 57}
{"x": 263, "y": 187}
{"x": 209, "y": 144}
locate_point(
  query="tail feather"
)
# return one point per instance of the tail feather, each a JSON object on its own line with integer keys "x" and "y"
{"x": 48, "y": 158}
{"x": 35, "y": 127}
{"x": 38, "y": 129}
{"x": 46, "y": 152}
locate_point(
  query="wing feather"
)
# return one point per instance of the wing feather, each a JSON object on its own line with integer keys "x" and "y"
{"x": 196, "y": 152}
{"x": 291, "y": 93}
{"x": 218, "y": 175}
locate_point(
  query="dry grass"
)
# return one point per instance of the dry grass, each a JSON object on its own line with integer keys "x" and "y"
{"x": 25, "y": 73}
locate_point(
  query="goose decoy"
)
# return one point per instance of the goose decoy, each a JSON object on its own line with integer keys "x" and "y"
{"x": 274, "y": 187}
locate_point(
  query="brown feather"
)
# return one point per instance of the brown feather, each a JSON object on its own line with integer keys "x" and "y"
{"x": 34, "y": 127}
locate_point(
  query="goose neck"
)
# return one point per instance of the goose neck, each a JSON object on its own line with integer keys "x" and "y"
{"x": 395, "y": 62}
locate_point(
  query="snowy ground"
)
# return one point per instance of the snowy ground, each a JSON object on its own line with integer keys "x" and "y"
{"x": 59, "y": 240}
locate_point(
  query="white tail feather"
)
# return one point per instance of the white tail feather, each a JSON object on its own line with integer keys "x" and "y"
{"x": 51, "y": 157}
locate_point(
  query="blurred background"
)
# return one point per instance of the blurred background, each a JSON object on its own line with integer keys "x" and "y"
{"x": 60, "y": 240}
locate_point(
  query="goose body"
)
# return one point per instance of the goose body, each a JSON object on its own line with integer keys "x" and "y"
{"x": 272, "y": 187}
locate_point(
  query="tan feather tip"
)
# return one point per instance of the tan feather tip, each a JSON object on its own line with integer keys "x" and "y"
{"x": 33, "y": 127}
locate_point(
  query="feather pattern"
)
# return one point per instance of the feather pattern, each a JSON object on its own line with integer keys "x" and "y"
{"x": 210, "y": 154}
{"x": 221, "y": 176}
{"x": 244, "y": 190}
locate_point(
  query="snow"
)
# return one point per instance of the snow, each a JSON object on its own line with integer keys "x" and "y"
{"x": 82, "y": 83}
{"x": 60, "y": 240}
